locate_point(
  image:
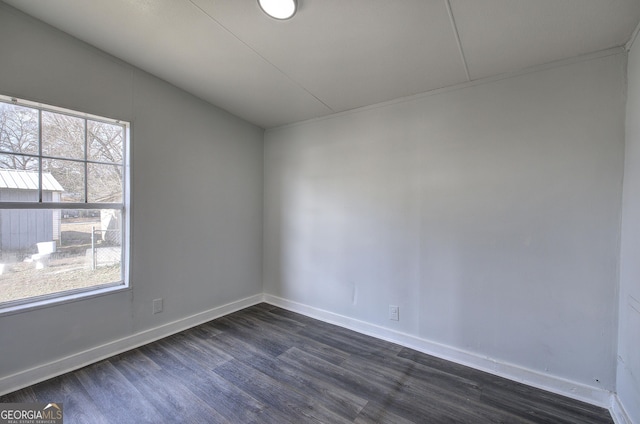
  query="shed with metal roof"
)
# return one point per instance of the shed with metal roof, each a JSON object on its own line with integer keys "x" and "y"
{"x": 20, "y": 229}
{"x": 28, "y": 180}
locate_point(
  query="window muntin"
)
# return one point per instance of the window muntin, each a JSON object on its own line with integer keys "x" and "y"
{"x": 63, "y": 203}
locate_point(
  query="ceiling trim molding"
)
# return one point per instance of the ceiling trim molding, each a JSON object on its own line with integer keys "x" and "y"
{"x": 457, "y": 35}
{"x": 550, "y": 65}
{"x": 632, "y": 40}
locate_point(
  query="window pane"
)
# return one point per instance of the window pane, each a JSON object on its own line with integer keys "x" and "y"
{"x": 105, "y": 183}
{"x": 62, "y": 135}
{"x": 105, "y": 142}
{"x": 67, "y": 174}
{"x": 19, "y": 178}
{"x": 18, "y": 129}
{"x": 19, "y": 162}
{"x": 50, "y": 251}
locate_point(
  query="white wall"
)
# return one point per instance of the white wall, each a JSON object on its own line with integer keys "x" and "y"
{"x": 197, "y": 198}
{"x": 629, "y": 337}
{"x": 490, "y": 214}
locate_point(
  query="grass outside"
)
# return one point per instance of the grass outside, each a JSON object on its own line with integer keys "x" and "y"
{"x": 68, "y": 268}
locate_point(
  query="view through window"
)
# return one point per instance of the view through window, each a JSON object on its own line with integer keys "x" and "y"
{"x": 63, "y": 209}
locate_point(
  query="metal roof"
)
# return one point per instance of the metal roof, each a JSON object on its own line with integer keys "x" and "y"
{"x": 27, "y": 180}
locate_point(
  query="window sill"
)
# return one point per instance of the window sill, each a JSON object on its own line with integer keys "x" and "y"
{"x": 63, "y": 299}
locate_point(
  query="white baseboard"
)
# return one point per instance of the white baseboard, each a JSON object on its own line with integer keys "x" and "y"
{"x": 558, "y": 385}
{"x": 550, "y": 383}
{"x": 78, "y": 360}
{"x": 618, "y": 413}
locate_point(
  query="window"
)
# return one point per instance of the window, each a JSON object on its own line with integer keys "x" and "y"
{"x": 64, "y": 209}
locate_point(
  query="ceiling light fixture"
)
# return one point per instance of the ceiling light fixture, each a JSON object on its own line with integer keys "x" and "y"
{"x": 279, "y": 9}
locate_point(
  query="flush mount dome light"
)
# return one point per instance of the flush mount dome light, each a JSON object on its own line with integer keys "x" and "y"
{"x": 279, "y": 9}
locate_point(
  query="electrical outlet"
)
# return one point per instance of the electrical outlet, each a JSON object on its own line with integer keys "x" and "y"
{"x": 394, "y": 313}
{"x": 157, "y": 306}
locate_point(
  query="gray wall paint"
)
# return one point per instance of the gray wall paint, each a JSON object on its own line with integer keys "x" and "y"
{"x": 197, "y": 195}
{"x": 629, "y": 337}
{"x": 490, "y": 214}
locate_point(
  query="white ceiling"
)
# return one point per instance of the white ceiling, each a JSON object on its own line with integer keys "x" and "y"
{"x": 335, "y": 55}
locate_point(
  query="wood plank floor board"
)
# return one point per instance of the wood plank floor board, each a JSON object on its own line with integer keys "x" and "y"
{"x": 290, "y": 336}
{"x": 78, "y": 404}
{"x": 327, "y": 353}
{"x": 27, "y": 394}
{"x": 210, "y": 388}
{"x": 283, "y": 338}
{"x": 291, "y": 403}
{"x": 414, "y": 374}
{"x": 520, "y": 399}
{"x": 320, "y": 328}
{"x": 195, "y": 350}
{"x": 398, "y": 391}
{"x": 261, "y": 307}
{"x": 134, "y": 365}
{"x": 273, "y": 320}
{"x": 204, "y": 331}
{"x": 375, "y": 413}
{"x": 342, "y": 402}
{"x": 115, "y": 396}
{"x": 386, "y": 393}
{"x": 355, "y": 338}
{"x": 552, "y": 413}
{"x": 264, "y": 364}
{"x": 311, "y": 322}
{"x": 273, "y": 347}
{"x": 168, "y": 396}
{"x": 356, "y": 344}
{"x": 461, "y": 401}
{"x": 406, "y": 380}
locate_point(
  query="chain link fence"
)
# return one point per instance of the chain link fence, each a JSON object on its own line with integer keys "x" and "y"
{"x": 105, "y": 248}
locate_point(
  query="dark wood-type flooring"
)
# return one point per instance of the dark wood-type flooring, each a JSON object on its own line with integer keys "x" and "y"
{"x": 268, "y": 365}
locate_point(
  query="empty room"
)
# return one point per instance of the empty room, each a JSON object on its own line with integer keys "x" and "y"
{"x": 287, "y": 211}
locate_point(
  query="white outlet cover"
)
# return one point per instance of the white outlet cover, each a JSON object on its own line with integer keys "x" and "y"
{"x": 394, "y": 313}
{"x": 157, "y": 306}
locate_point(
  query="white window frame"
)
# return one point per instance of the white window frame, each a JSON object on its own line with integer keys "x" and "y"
{"x": 19, "y": 305}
